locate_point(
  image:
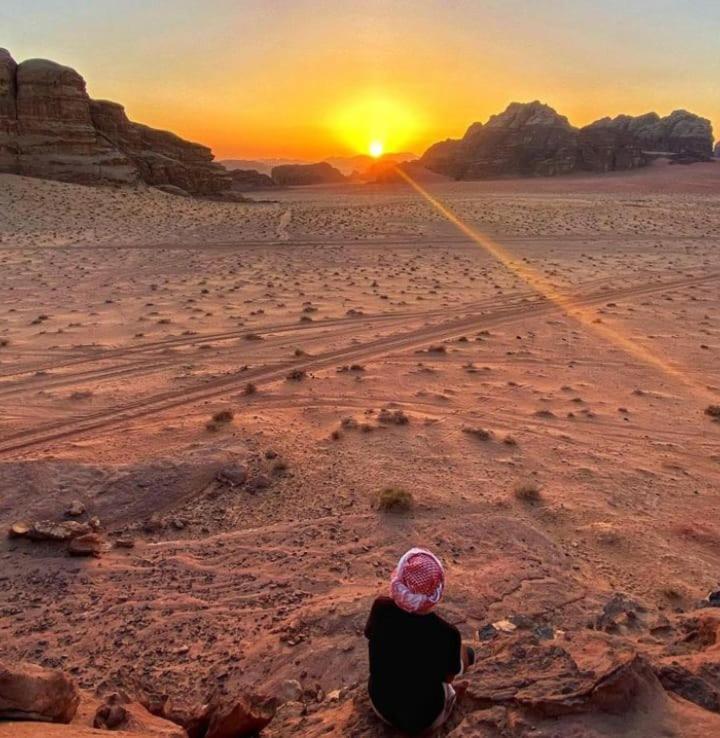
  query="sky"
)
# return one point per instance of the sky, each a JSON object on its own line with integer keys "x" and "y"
{"x": 308, "y": 79}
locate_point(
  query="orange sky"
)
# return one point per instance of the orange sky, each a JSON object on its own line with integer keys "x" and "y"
{"x": 307, "y": 78}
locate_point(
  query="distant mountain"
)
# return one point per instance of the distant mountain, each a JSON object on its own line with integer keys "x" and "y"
{"x": 264, "y": 166}
{"x": 294, "y": 175}
{"x": 532, "y": 139}
{"x": 361, "y": 163}
{"x": 346, "y": 164}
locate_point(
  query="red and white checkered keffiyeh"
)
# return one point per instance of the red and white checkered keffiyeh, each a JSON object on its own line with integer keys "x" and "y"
{"x": 417, "y": 582}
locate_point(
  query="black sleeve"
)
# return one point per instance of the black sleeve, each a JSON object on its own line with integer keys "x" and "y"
{"x": 453, "y": 648}
{"x": 375, "y": 612}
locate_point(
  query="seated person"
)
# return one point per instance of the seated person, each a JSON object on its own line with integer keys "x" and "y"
{"x": 414, "y": 653}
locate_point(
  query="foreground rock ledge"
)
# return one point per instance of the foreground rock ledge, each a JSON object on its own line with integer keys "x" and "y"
{"x": 29, "y": 692}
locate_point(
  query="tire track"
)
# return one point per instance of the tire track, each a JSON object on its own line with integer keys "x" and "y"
{"x": 282, "y": 330}
{"x": 25, "y": 439}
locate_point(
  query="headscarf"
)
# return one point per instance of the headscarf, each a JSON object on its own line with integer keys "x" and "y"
{"x": 417, "y": 583}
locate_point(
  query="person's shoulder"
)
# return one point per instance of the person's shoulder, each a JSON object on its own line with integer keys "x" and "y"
{"x": 383, "y": 603}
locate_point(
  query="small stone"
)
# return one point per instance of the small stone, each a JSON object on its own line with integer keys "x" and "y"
{"x": 487, "y": 632}
{"x": 91, "y": 544}
{"x": 18, "y": 530}
{"x": 75, "y": 509}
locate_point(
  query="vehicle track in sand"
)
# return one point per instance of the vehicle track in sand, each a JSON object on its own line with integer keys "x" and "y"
{"x": 278, "y": 331}
{"x": 164, "y": 401}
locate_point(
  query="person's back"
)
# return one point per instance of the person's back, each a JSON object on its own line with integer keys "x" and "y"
{"x": 412, "y": 657}
{"x": 414, "y": 654}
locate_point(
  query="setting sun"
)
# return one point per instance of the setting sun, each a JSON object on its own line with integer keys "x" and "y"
{"x": 386, "y": 123}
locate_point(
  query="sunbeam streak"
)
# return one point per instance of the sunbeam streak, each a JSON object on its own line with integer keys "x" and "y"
{"x": 582, "y": 314}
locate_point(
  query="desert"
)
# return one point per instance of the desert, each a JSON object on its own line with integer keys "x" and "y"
{"x": 342, "y": 394}
{"x": 360, "y": 343}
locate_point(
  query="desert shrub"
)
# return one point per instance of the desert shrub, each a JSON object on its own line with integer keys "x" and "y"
{"x": 223, "y": 416}
{"x": 713, "y": 411}
{"x": 528, "y": 492}
{"x": 250, "y": 389}
{"x": 297, "y": 375}
{"x": 392, "y": 499}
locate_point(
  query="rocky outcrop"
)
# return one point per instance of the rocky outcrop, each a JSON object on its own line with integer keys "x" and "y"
{"x": 244, "y": 180}
{"x": 50, "y": 128}
{"x": 533, "y": 140}
{"x": 681, "y": 132}
{"x": 525, "y": 140}
{"x": 307, "y": 174}
{"x": 160, "y": 157}
{"x": 29, "y": 692}
{"x": 608, "y": 145}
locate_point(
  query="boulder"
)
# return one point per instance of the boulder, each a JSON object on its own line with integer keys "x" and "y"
{"x": 90, "y": 544}
{"x": 47, "y": 530}
{"x": 239, "y": 717}
{"x": 290, "y": 175}
{"x": 30, "y": 692}
{"x": 588, "y": 672}
{"x": 119, "y": 713}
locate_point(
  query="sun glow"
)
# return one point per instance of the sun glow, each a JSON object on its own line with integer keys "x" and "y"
{"x": 388, "y": 124}
{"x": 376, "y": 149}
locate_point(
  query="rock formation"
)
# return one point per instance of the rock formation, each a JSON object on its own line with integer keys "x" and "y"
{"x": 244, "y": 180}
{"x": 532, "y": 139}
{"x": 29, "y": 692}
{"x": 49, "y": 127}
{"x": 307, "y": 174}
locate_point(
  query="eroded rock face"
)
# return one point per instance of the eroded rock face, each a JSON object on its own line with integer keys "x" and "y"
{"x": 532, "y": 139}
{"x": 49, "y": 127}
{"x": 307, "y": 174}
{"x": 29, "y": 692}
{"x": 161, "y": 157}
{"x": 610, "y": 144}
{"x": 526, "y": 139}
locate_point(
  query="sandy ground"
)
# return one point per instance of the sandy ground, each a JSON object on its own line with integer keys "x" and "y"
{"x": 128, "y": 318}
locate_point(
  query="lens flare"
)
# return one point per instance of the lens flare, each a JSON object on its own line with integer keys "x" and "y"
{"x": 565, "y": 302}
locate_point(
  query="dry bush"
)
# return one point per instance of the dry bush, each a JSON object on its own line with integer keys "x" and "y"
{"x": 223, "y": 416}
{"x": 713, "y": 411}
{"x": 528, "y": 492}
{"x": 395, "y": 500}
{"x": 250, "y": 389}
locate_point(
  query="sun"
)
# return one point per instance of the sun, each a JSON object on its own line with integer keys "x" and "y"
{"x": 376, "y": 149}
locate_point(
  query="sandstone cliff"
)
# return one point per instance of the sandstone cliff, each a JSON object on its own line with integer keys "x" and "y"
{"x": 49, "y": 127}
{"x": 533, "y": 139}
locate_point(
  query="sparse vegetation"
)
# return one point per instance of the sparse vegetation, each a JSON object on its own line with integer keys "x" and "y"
{"x": 529, "y": 492}
{"x": 713, "y": 411}
{"x": 223, "y": 416}
{"x": 392, "y": 499}
{"x": 250, "y": 389}
{"x": 297, "y": 375}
